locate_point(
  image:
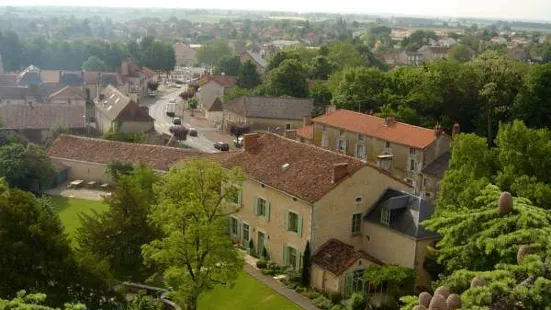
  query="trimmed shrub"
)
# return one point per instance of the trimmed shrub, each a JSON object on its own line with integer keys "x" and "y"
{"x": 261, "y": 264}
{"x": 338, "y": 307}
{"x": 322, "y": 302}
{"x": 356, "y": 302}
{"x": 335, "y": 297}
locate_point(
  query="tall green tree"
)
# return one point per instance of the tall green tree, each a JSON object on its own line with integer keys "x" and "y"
{"x": 93, "y": 63}
{"x": 279, "y": 57}
{"x": 322, "y": 67}
{"x": 289, "y": 79}
{"x": 361, "y": 89}
{"x": 533, "y": 102}
{"x": 211, "y": 52}
{"x": 229, "y": 65}
{"x": 25, "y": 166}
{"x": 118, "y": 234}
{"x": 195, "y": 254}
{"x": 247, "y": 76}
{"x": 10, "y": 49}
{"x": 459, "y": 53}
{"x": 33, "y": 302}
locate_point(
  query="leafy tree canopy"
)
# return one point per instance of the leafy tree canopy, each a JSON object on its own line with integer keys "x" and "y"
{"x": 211, "y": 52}
{"x": 93, "y": 63}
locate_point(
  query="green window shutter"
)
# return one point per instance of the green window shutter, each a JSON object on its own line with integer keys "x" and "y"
{"x": 285, "y": 255}
{"x": 348, "y": 285}
{"x": 239, "y": 229}
{"x": 299, "y": 258}
{"x": 286, "y": 219}
{"x": 239, "y": 197}
{"x": 255, "y": 206}
{"x": 299, "y": 226}
{"x": 229, "y": 226}
{"x": 267, "y": 211}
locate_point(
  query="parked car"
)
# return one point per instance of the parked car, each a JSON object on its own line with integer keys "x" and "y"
{"x": 221, "y": 146}
{"x": 238, "y": 142}
{"x": 177, "y": 121}
{"x": 193, "y": 132}
{"x": 172, "y": 100}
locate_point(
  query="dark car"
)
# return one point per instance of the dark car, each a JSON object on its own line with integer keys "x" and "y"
{"x": 193, "y": 132}
{"x": 221, "y": 146}
{"x": 177, "y": 121}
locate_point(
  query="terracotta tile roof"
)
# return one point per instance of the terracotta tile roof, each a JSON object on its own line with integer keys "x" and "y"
{"x": 50, "y": 76}
{"x": 309, "y": 173}
{"x": 67, "y": 93}
{"x": 105, "y": 151}
{"x": 306, "y": 132}
{"x": 396, "y": 132}
{"x": 41, "y": 116}
{"x": 216, "y": 106}
{"x": 90, "y": 77}
{"x": 223, "y": 80}
{"x": 8, "y": 79}
{"x": 337, "y": 256}
{"x": 148, "y": 73}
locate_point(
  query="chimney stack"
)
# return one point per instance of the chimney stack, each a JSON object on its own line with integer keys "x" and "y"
{"x": 291, "y": 134}
{"x": 306, "y": 121}
{"x": 339, "y": 172}
{"x": 250, "y": 140}
{"x": 438, "y": 130}
{"x": 456, "y": 129}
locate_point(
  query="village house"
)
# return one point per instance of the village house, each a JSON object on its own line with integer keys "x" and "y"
{"x": 212, "y": 87}
{"x": 185, "y": 54}
{"x": 297, "y": 193}
{"x": 87, "y": 158}
{"x": 267, "y": 113}
{"x": 134, "y": 81}
{"x": 256, "y": 58}
{"x": 35, "y": 121}
{"x": 68, "y": 95}
{"x": 117, "y": 112}
{"x": 402, "y": 149}
{"x": 431, "y": 53}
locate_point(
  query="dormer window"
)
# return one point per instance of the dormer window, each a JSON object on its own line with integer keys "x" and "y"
{"x": 387, "y": 144}
{"x": 385, "y": 216}
{"x": 341, "y": 132}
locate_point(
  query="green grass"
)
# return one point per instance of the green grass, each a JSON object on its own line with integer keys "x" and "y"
{"x": 248, "y": 293}
{"x": 69, "y": 209}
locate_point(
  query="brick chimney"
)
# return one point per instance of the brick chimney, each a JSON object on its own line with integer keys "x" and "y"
{"x": 456, "y": 130}
{"x": 290, "y": 133}
{"x": 438, "y": 130}
{"x": 306, "y": 121}
{"x": 339, "y": 172}
{"x": 250, "y": 140}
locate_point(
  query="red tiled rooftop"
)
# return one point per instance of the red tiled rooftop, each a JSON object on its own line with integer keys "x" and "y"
{"x": 223, "y": 80}
{"x": 372, "y": 126}
{"x": 337, "y": 256}
{"x": 306, "y": 132}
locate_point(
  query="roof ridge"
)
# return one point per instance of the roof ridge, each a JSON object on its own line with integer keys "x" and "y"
{"x": 131, "y": 143}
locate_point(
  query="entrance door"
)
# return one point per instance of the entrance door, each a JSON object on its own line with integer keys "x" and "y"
{"x": 260, "y": 241}
{"x": 245, "y": 235}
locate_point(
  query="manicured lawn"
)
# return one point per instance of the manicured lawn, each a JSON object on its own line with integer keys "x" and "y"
{"x": 69, "y": 209}
{"x": 247, "y": 294}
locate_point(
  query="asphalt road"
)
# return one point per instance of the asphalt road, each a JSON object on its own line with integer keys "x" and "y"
{"x": 163, "y": 122}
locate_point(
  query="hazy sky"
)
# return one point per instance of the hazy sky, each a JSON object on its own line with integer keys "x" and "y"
{"x": 503, "y": 9}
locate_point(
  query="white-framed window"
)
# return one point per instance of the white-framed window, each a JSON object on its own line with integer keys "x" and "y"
{"x": 387, "y": 144}
{"x": 385, "y": 216}
{"x": 341, "y": 132}
{"x": 324, "y": 128}
{"x": 287, "y": 126}
{"x": 426, "y": 182}
{"x": 246, "y": 234}
{"x": 341, "y": 145}
{"x": 324, "y": 140}
{"x": 360, "y": 151}
{"x": 361, "y": 138}
{"x": 356, "y": 223}
{"x": 412, "y": 164}
{"x": 412, "y": 151}
{"x": 234, "y": 226}
{"x": 293, "y": 222}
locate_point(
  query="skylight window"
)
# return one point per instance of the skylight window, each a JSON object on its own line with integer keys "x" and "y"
{"x": 117, "y": 100}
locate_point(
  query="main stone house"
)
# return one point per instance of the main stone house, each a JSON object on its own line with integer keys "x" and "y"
{"x": 297, "y": 193}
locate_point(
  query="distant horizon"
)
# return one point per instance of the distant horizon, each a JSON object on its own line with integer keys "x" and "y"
{"x": 525, "y": 11}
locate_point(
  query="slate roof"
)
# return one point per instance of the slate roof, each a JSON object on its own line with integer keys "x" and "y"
{"x": 113, "y": 102}
{"x": 29, "y": 78}
{"x": 107, "y": 78}
{"x": 439, "y": 166}
{"x": 70, "y": 78}
{"x": 41, "y": 116}
{"x": 215, "y": 106}
{"x": 407, "y": 212}
{"x": 13, "y": 92}
{"x": 337, "y": 256}
{"x": 372, "y": 126}
{"x": 105, "y": 151}
{"x": 260, "y": 61}
{"x": 271, "y": 107}
{"x": 67, "y": 93}
{"x": 309, "y": 174}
